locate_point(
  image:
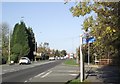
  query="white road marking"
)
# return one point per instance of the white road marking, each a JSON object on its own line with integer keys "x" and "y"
{"x": 12, "y": 69}
{"x": 72, "y": 71}
{"x": 1, "y": 73}
{"x": 47, "y": 62}
{"x": 73, "y": 74}
{"x": 40, "y": 74}
{"x": 5, "y": 70}
{"x": 26, "y": 81}
{"x": 30, "y": 79}
{"x": 46, "y": 74}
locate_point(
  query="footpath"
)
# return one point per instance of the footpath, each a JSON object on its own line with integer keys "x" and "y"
{"x": 103, "y": 74}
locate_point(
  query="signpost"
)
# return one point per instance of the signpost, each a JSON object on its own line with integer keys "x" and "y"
{"x": 81, "y": 62}
{"x": 88, "y": 41}
{"x": 84, "y": 41}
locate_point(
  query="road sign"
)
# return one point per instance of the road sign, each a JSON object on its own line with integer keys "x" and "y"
{"x": 89, "y": 40}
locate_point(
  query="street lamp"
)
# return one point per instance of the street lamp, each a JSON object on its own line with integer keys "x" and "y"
{"x": 35, "y": 52}
{"x": 9, "y": 49}
{"x": 22, "y": 18}
{"x": 9, "y": 57}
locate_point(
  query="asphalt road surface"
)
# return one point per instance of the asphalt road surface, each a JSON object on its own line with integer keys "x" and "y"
{"x": 61, "y": 74}
{"x": 25, "y": 74}
{"x": 16, "y": 67}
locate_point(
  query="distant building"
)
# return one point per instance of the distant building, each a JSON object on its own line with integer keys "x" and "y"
{"x": 70, "y": 55}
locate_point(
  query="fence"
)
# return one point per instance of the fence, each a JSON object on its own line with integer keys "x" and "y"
{"x": 105, "y": 61}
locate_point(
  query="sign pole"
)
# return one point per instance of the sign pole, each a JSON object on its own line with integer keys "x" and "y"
{"x": 88, "y": 53}
{"x": 81, "y": 62}
{"x": 9, "y": 59}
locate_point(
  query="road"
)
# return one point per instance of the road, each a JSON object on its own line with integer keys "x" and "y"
{"x": 61, "y": 74}
{"x": 25, "y": 74}
{"x": 16, "y": 67}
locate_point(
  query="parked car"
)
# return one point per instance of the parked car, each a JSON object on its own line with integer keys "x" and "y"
{"x": 24, "y": 60}
{"x": 51, "y": 58}
{"x": 61, "y": 58}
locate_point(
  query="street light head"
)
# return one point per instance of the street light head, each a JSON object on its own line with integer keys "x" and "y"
{"x": 81, "y": 35}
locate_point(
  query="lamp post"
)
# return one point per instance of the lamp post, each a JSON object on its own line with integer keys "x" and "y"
{"x": 35, "y": 52}
{"x": 9, "y": 60}
{"x": 22, "y": 18}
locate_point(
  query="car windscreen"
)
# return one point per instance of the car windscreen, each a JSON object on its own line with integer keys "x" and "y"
{"x": 23, "y": 58}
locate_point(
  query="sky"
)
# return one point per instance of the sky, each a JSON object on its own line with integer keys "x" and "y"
{"x": 51, "y": 22}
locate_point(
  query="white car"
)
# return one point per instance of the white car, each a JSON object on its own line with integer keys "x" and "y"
{"x": 51, "y": 58}
{"x": 61, "y": 58}
{"x": 24, "y": 60}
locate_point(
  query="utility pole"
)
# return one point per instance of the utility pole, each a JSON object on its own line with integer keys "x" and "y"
{"x": 35, "y": 52}
{"x": 35, "y": 49}
{"x": 9, "y": 60}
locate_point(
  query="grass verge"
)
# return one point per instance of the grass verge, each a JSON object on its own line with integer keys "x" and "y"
{"x": 77, "y": 81}
{"x": 70, "y": 62}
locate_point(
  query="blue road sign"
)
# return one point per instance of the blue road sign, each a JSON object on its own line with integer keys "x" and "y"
{"x": 89, "y": 40}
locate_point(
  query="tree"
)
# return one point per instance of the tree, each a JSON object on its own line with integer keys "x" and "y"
{"x": 19, "y": 42}
{"x": 63, "y": 53}
{"x": 105, "y": 27}
{"x": 31, "y": 39}
{"x": 57, "y": 53}
{"x": 4, "y": 40}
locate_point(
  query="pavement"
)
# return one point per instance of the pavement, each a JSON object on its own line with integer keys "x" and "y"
{"x": 103, "y": 75}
